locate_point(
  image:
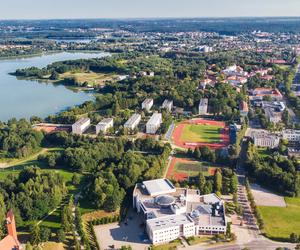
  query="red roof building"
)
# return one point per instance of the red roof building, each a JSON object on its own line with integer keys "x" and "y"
{"x": 10, "y": 242}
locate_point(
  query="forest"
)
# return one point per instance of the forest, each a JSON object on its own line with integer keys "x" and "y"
{"x": 274, "y": 171}
{"x": 17, "y": 139}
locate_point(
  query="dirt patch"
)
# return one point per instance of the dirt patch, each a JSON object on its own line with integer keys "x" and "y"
{"x": 264, "y": 197}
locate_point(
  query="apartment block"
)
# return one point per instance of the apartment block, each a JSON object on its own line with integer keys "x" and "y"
{"x": 133, "y": 121}
{"x": 104, "y": 125}
{"x": 81, "y": 126}
{"x": 203, "y": 106}
{"x": 168, "y": 105}
{"x": 147, "y": 104}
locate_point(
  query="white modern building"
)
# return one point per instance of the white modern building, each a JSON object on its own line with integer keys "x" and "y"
{"x": 170, "y": 212}
{"x": 203, "y": 106}
{"x": 168, "y": 105}
{"x": 133, "y": 121}
{"x": 81, "y": 126}
{"x": 104, "y": 125}
{"x": 205, "y": 49}
{"x": 154, "y": 123}
{"x": 291, "y": 135}
{"x": 263, "y": 138}
{"x": 147, "y": 104}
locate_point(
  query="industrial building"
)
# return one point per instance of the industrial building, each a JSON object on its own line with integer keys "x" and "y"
{"x": 154, "y": 123}
{"x": 104, "y": 125}
{"x": 133, "y": 121}
{"x": 147, "y": 104}
{"x": 203, "y": 106}
{"x": 81, "y": 126}
{"x": 170, "y": 212}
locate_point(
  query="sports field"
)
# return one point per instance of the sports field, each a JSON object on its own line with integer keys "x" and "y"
{"x": 287, "y": 219}
{"x": 181, "y": 169}
{"x": 200, "y": 132}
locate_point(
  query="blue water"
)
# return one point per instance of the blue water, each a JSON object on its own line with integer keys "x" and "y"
{"x": 25, "y": 98}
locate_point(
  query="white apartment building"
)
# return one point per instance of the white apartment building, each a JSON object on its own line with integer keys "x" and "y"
{"x": 104, "y": 125}
{"x": 81, "y": 126}
{"x": 154, "y": 123}
{"x": 291, "y": 135}
{"x": 203, "y": 106}
{"x": 133, "y": 121}
{"x": 168, "y": 105}
{"x": 170, "y": 212}
{"x": 263, "y": 138}
{"x": 147, "y": 104}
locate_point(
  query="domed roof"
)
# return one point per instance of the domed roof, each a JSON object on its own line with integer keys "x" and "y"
{"x": 164, "y": 200}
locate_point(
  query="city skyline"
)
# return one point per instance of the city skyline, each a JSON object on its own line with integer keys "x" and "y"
{"x": 76, "y": 9}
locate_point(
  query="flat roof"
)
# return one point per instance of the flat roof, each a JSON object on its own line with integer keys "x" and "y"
{"x": 82, "y": 121}
{"x": 159, "y": 186}
{"x": 169, "y": 221}
{"x": 155, "y": 118}
{"x": 132, "y": 119}
{"x": 105, "y": 121}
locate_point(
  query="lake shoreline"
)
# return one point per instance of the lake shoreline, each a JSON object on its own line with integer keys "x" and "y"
{"x": 24, "y": 98}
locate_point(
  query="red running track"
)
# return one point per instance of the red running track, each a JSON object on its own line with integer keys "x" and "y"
{"x": 185, "y": 144}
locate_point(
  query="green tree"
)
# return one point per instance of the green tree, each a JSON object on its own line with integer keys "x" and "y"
{"x": 2, "y": 215}
{"x": 61, "y": 236}
{"x": 202, "y": 182}
{"x": 28, "y": 246}
{"x": 218, "y": 182}
{"x": 35, "y": 236}
{"x": 294, "y": 238}
{"x": 45, "y": 233}
{"x": 233, "y": 183}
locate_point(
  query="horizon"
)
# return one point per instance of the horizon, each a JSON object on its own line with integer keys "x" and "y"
{"x": 149, "y": 18}
{"x": 76, "y": 9}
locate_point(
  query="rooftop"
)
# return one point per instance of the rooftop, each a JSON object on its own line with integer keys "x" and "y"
{"x": 169, "y": 221}
{"x": 159, "y": 186}
{"x": 82, "y": 121}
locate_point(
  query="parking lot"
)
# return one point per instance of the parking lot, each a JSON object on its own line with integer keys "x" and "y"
{"x": 130, "y": 232}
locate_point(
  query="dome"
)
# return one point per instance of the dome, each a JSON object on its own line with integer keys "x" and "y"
{"x": 164, "y": 200}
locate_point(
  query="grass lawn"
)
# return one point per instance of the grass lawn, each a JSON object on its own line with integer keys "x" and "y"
{"x": 170, "y": 246}
{"x": 280, "y": 222}
{"x": 192, "y": 168}
{"x": 53, "y": 246}
{"x": 201, "y": 133}
{"x": 93, "y": 79}
{"x": 197, "y": 240}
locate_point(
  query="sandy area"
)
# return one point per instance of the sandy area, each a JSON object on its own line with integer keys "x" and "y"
{"x": 264, "y": 197}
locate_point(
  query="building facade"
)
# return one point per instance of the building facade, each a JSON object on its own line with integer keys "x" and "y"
{"x": 203, "y": 106}
{"x": 81, "y": 126}
{"x": 104, "y": 125}
{"x": 168, "y": 105}
{"x": 154, "y": 123}
{"x": 147, "y": 104}
{"x": 10, "y": 242}
{"x": 133, "y": 121}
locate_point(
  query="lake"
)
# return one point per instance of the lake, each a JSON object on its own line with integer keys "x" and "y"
{"x": 25, "y": 98}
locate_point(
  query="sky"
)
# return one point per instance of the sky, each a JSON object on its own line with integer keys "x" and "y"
{"x": 59, "y": 9}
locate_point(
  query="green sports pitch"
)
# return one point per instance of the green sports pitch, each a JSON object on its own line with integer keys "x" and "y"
{"x": 201, "y": 133}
